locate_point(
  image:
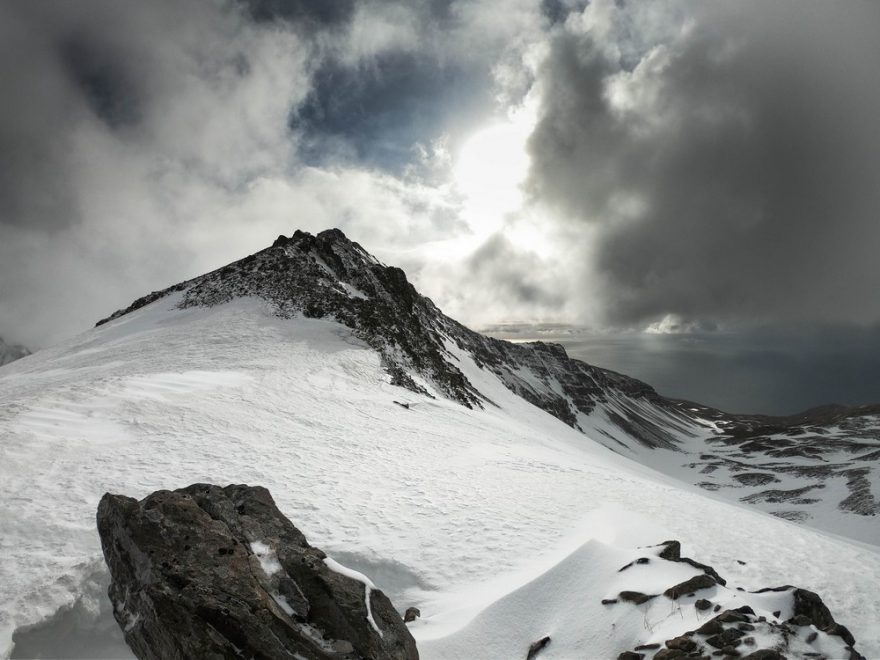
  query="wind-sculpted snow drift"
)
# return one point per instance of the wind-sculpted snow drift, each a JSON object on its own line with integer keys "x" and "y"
{"x": 458, "y": 495}
{"x": 675, "y": 607}
{"x": 785, "y": 466}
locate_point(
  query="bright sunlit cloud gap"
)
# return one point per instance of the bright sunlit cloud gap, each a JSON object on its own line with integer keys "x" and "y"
{"x": 489, "y": 171}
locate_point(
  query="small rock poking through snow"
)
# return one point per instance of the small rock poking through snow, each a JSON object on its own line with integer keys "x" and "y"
{"x": 206, "y": 571}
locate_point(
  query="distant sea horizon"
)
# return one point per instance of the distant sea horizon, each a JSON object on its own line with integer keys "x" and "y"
{"x": 773, "y": 372}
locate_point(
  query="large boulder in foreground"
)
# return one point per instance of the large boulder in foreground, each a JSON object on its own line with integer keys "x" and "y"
{"x": 210, "y": 572}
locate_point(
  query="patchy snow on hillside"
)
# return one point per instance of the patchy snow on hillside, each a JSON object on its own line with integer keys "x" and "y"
{"x": 501, "y": 524}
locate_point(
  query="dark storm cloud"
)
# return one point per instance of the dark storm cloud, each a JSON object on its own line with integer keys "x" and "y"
{"x": 144, "y": 143}
{"x": 31, "y": 103}
{"x": 65, "y": 66}
{"x": 101, "y": 76}
{"x": 378, "y": 108}
{"x": 556, "y": 11}
{"x": 774, "y": 371}
{"x": 376, "y": 111}
{"x": 324, "y": 13}
{"x": 725, "y": 158}
{"x": 120, "y": 125}
{"x": 332, "y": 13}
{"x": 510, "y": 274}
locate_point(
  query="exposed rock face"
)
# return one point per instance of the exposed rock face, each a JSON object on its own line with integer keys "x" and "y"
{"x": 11, "y": 352}
{"x": 210, "y": 572}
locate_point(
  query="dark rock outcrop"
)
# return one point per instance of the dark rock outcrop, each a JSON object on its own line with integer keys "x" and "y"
{"x": 682, "y": 643}
{"x": 755, "y": 478}
{"x": 690, "y": 586}
{"x": 536, "y": 647}
{"x": 648, "y": 647}
{"x": 211, "y": 572}
{"x": 764, "y": 654}
{"x": 636, "y": 597}
{"x": 809, "y": 608}
{"x": 672, "y": 552}
{"x": 11, "y": 352}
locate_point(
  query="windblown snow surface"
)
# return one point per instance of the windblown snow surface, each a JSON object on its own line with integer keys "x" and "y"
{"x": 502, "y": 525}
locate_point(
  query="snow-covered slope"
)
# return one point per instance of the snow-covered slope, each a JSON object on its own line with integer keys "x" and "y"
{"x": 455, "y": 509}
{"x": 817, "y": 468}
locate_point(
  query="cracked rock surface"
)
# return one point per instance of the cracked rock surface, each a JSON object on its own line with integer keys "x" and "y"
{"x": 211, "y": 572}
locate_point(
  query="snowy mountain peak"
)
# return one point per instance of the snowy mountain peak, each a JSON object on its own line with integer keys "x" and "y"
{"x": 330, "y": 276}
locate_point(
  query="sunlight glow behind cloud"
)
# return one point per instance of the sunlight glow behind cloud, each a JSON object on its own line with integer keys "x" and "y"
{"x": 490, "y": 169}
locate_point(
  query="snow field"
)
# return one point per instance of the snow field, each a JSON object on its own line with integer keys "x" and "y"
{"x": 447, "y": 509}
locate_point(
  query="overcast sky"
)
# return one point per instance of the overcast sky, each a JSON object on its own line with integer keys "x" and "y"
{"x": 666, "y": 165}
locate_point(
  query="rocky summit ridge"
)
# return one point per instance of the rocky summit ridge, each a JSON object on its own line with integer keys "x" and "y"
{"x": 330, "y": 276}
{"x": 783, "y": 465}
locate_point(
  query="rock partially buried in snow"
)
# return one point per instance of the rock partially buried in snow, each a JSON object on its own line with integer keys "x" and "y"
{"x": 536, "y": 647}
{"x": 690, "y": 586}
{"x": 211, "y": 572}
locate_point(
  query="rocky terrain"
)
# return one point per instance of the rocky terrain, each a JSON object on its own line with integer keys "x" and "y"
{"x": 11, "y": 352}
{"x": 210, "y": 572}
{"x": 783, "y": 465}
{"x": 789, "y": 465}
{"x": 780, "y": 622}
